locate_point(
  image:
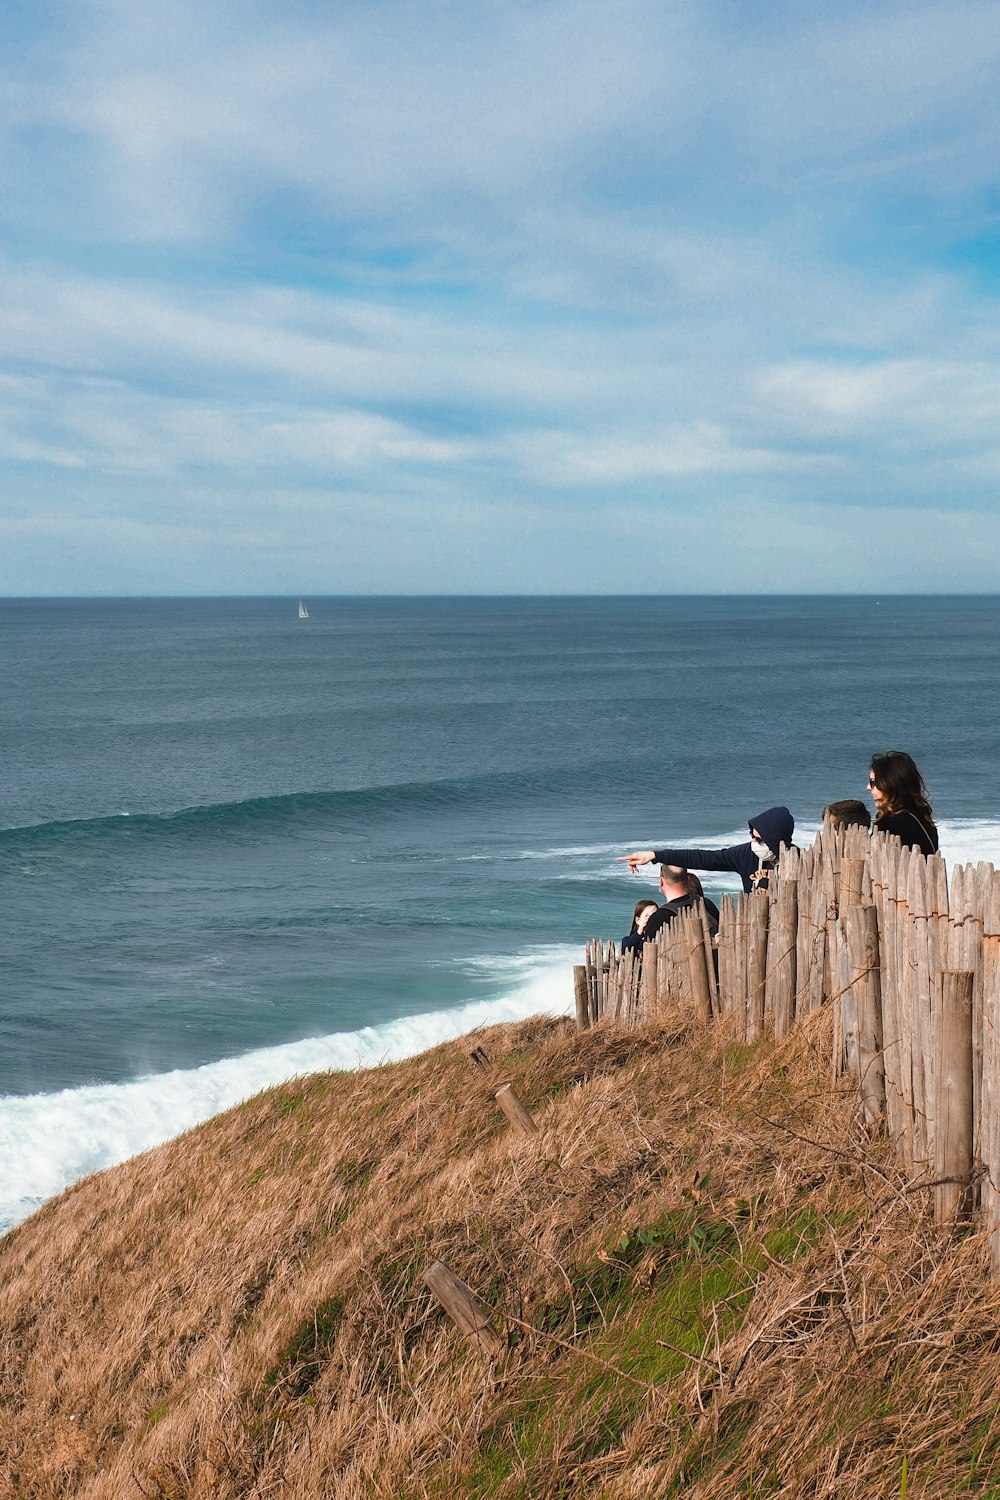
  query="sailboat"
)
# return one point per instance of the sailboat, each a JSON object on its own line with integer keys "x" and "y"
{"x": 303, "y": 612}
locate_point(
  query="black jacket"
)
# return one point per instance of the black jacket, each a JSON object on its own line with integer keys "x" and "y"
{"x": 775, "y": 827}
{"x": 910, "y": 829}
{"x": 664, "y": 915}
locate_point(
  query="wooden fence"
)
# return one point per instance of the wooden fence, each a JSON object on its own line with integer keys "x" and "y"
{"x": 911, "y": 971}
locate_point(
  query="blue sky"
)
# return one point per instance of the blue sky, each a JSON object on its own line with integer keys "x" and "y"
{"x": 550, "y": 297}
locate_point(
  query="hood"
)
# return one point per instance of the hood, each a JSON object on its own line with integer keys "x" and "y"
{"x": 775, "y": 827}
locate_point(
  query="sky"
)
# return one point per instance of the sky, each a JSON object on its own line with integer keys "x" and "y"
{"x": 548, "y": 297}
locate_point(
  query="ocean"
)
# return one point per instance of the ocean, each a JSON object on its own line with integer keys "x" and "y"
{"x": 237, "y": 846}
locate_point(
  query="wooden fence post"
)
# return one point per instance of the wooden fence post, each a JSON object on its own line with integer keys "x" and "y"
{"x": 711, "y": 961}
{"x": 463, "y": 1307}
{"x": 863, "y": 951}
{"x": 694, "y": 934}
{"x": 831, "y": 882}
{"x": 803, "y": 930}
{"x": 633, "y": 977}
{"x": 616, "y": 985}
{"x": 970, "y": 885}
{"x": 785, "y": 915}
{"x": 581, "y": 996}
{"x": 677, "y": 949}
{"x": 904, "y": 999}
{"x": 515, "y": 1111}
{"x": 990, "y": 1134}
{"x": 851, "y": 879}
{"x": 882, "y": 867}
{"x": 819, "y": 920}
{"x": 757, "y": 910}
{"x": 921, "y": 984}
{"x": 953, "y": 1115}
{"x": 740, "y": 958}
{"x": 650, "y": 980}
{"x": 602, "y": 988}
{"x": 728, "y": 969}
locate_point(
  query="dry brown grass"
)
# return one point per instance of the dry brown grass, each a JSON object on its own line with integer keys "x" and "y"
{"x": 241, "y": 1313}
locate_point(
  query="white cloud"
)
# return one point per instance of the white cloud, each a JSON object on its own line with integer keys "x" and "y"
{"x": 925, "y": 405}
{"x": 499, "y": 266}
{"x": 564, "y": 459}
{"x": 191, "y": 110}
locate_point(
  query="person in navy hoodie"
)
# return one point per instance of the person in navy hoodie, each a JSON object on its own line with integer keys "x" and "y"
{"x": 752, "y": 861}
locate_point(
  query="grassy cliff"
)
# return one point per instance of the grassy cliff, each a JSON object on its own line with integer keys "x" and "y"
{"x": 710, "y": 1284}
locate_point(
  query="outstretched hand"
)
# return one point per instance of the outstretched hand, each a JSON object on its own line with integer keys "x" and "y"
{"x": 643, "y": 857}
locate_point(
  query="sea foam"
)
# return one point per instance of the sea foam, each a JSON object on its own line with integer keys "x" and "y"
{"x": 48, "y": 1141}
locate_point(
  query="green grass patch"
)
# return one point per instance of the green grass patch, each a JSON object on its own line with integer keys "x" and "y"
{"x": 301, "y": 1361}
{"x": 157, "y": 1415}
{"x": 786, "y": 1242}
{"x": 355, "y": 1175}
{"x": 643, "y": 1315}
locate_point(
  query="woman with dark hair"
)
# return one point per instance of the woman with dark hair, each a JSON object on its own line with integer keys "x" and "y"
{"x": 901, "y": 803}
{"x": 644, "y": 909}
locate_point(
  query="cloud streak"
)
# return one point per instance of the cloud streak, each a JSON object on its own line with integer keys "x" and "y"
{"x": 498, "y": 268}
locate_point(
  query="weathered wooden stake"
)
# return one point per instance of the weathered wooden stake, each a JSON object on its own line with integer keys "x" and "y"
{"x": 602, "y": 981}
{"x": 831, "y": 882}
{"x": 819, "y": 920}
{"x": 463, "y": 1307}
{"x": 581, "y": 994}
{"x": 965, "y": 949}
{"x": 480, "y": 1060}
{"x": 785, "y": 915}
{"x": 757, "y": 910}
{"x": 921, "y": 975}
{"x": 697, "y": 969}
{"x": 953, "y": 1114}
{"x": 851, "y": 874}
{"x": 711, "y": 961}
{"x": 728, "y": 998}
{"x": 991, "y": 1066}
{"x": 863, "y": 962}
{"x": 515, "y": 1111}
{"x": 741, "y": 942}
{"x": 650, "y": 961}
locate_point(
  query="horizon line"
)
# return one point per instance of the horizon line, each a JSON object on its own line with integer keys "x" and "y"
{"x": 470, "y": 594}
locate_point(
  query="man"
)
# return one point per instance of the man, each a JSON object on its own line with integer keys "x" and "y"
{"x": 676, "y": 889}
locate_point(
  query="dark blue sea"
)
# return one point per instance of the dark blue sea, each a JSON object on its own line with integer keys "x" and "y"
{"x": 236, "y": 845}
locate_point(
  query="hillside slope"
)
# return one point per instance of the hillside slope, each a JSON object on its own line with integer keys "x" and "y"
{"x": 708, "y": 1281}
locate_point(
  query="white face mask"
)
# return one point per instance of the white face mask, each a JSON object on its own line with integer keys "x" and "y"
{"x": 761, "y": 850}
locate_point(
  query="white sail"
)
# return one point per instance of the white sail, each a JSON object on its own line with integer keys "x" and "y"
{"x": 303, "y": 612}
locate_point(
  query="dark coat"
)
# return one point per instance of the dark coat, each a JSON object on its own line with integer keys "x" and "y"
{"x": 775, "y": 827}
{"x": 910, "y": 829}
{"x": 664, "y": 915}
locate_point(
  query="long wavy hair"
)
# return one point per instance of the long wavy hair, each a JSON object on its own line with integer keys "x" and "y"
{"x": 899, "y": 780}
